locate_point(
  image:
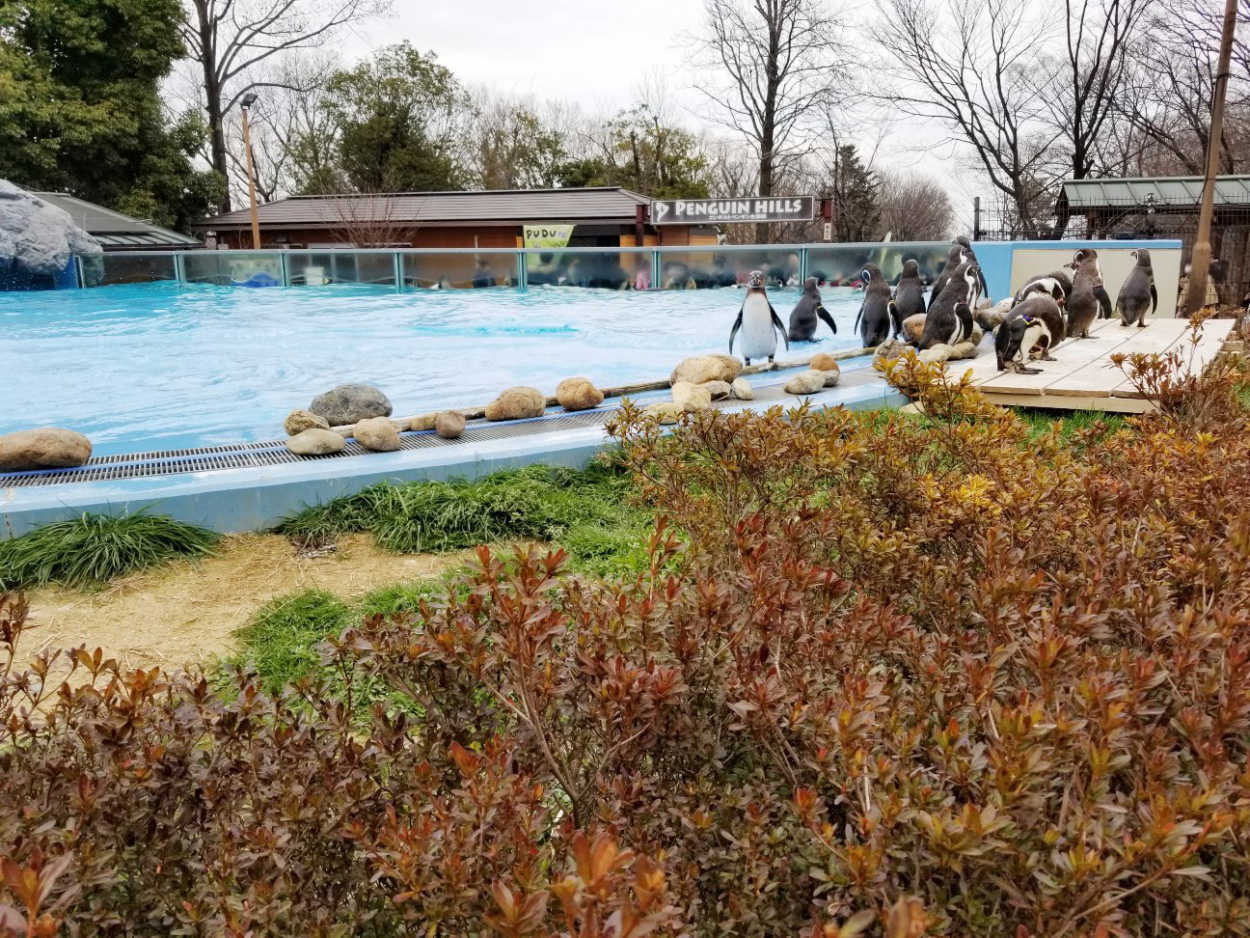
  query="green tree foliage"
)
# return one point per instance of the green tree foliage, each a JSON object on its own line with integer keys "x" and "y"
{"x": 856, "y": 197}
{"x": 641, "y": 152}
{"x": 515, "y": 148}
{"x": 80, "y": 111}
{"x": 399, "y": 117}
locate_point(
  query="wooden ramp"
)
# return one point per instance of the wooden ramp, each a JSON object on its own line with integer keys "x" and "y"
{"x": 1084, "y": 377}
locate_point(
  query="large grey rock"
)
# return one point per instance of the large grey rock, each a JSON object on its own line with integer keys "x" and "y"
{"x": 349, "y": 403}
{"x": 43, "y": 448}
{"x": 316, "y": 442}
{"x": 36, "y": 237}
{"x": 377, "y": 434}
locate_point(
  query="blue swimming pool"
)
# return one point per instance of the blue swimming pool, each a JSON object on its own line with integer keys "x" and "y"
{"x": 157, "y": 366}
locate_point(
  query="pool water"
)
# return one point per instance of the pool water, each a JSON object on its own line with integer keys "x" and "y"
{"x": 163, "y": 366}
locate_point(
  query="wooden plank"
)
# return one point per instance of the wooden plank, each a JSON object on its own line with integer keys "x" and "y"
{"x": 1071, "y": 354}
{"x": 1099, "y": 376}
{"x": 1070, "y": 402}
{"x": 1195, "y": 359}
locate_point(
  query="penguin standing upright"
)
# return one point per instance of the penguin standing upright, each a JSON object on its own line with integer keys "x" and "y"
{"x": 873, "y": 320}
{"x": 908, "y": 295}
{"x": 954, "y": 257}
{"x": 1138, "y": 293}
{"x": 949, "y": 320}
{"x": 971, "y": 256}
{"x": 803, "y": 318}
{"x": 757, "y": 319}
{"x": 1088, "y": 296}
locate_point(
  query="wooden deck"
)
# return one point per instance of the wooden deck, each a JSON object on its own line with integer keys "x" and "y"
{"x": 1084, "y": 378}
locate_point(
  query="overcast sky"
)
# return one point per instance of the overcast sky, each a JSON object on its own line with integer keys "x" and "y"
{"x": 596, "y": 53}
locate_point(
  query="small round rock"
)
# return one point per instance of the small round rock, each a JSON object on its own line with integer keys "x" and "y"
{"x": 517, "y": 403}
{"x": 806, "y": 382}
{"x": 377, "y": 434}
{"x": 578, "y": 394}
{"x": 316, "y": 442}
{"x": 742, "y": 389}
{"x": 298, "y": 421}
{"x": 449, "y": 424}
{"x": 822, "y": 361}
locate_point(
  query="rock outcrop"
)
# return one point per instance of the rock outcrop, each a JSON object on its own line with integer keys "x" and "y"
{"x": 578, "y": 394}
{"x": 316, "y": 442}
{"x": 349, "y": 403}
{"x": 517, "y": 403}
{"x": 43, "y": 448}
{"x": 377, "y": 434}
{"x": 38, "y": 239}
{"x": 703, "y": 368}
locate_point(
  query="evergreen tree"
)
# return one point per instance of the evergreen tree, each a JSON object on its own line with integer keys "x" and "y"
{"x": 80, "y": 110}
{"x": 855, "y": 190}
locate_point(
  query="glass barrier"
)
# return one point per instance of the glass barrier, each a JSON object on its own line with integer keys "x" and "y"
{"x": 837, "y": 264}
{"x": 315, "y": 270}
{"x": 460, "y": 271}
{"x": 226, "y": 268}
{"x": 128, "y": 268}
{"x": 606, "y": 270}
{"x": 719, "y": 266}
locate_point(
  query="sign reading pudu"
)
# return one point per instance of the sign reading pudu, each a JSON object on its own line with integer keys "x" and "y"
{"x": 713, "y": 211}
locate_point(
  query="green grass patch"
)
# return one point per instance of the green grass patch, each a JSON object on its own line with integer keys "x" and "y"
{"x": 541, "y": 503}
{"x": 96, "y": 548}
{"x": 280, "y": 641}
{"x": 1070, "y": 422}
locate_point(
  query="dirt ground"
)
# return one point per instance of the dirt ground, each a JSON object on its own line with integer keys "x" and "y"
{"x": 186, "y": 611}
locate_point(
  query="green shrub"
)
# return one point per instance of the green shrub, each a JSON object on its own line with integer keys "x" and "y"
{"x": 96, "y": 548}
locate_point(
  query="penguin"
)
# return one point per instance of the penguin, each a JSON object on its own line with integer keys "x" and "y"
{"x": 1137, "y": 289}
{"x": 1054, "y": 285}
{"x": 1035, "y": 323}
{"x": 1088, "y": 297}
{"x": 757, "y": 319}
{"x": 873, "y": 320}
{"x": 971, "y": 256}
{"x": 954, "y": 257}
{"x": 949, "y": 320}
{"x": 803, "y": 319}
{"x": 908, "y": 296}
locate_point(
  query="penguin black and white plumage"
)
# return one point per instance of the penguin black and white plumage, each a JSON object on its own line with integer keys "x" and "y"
{"x": 1088, "y": 298}
{"x": 1035, "y": 324}
{"x": 803, "y": 318}
{"x": 1137, "y": 293}
{"x": 954, "y": 258}
{"x": 949, "y": 320}
{"x": 971, "y": 257}
{"x": 873, "y": 321}
{"x": 757, "y": 319}
{"x": 908, "y": 295}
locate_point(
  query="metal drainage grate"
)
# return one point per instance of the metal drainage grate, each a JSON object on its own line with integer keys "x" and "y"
{"x": 274, "y": 453}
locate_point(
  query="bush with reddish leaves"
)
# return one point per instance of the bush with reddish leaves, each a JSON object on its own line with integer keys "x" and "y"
{"x": 894, "y": 677}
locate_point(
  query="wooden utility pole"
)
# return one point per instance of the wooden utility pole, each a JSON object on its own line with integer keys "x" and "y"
{"x": 1200, "y": 262}
{"x": 251, "y": 172}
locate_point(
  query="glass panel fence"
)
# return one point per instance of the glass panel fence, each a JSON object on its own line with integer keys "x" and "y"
{"x": 608, "y": 269}
{"x": 226, "y": 268}
{"x": 315, "y": 270}
{"x": 840, "y": 264}
{"x": 723, "y": 266}
{"x": 460, "y": 271}
{"x": 128, "y": 268}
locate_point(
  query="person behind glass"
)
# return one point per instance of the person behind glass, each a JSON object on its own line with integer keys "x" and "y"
{"x": 481, "y": 274}
{"x": 642, "y": 278}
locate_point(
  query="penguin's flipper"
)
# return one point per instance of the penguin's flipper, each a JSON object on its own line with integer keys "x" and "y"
{"x": 824, "y": 314}
{"x": 780, "y": 326}
{"x": 860, "y": 314}
{"x": 1154, "y": 298}
{"x": 895, "y": 317}
{"x": 1104, "y": 302}
{"x": 734, "y": 331}
{"x": 985, "y": 288}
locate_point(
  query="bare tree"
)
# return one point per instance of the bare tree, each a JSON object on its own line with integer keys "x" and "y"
{"x": 782, "y": 65}
{"x": 914, "y": 208}
{"x": 970, "y": 65}
{"x": 230, "y": 39}
{"x": 371, "y": 221}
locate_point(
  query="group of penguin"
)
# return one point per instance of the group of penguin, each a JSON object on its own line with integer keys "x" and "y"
{"x": 1046, "y": 310}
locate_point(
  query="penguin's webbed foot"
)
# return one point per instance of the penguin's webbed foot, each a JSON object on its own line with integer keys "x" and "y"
{"x": 1047, "y": 357}
{"x": 1142, "y": 324}
{"x": 770, "y": 359}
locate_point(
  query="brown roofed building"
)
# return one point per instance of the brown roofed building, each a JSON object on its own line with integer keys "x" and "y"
{"x": 602, "y": 217}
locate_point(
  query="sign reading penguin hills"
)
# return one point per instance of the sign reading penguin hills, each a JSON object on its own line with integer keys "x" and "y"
{"x": 712, "y": 211}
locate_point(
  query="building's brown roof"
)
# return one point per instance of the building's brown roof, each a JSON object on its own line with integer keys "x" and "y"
{"x": 434, "y": 208}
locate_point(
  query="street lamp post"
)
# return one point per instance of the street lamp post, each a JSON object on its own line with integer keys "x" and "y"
{"x": 244, "y": 105}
